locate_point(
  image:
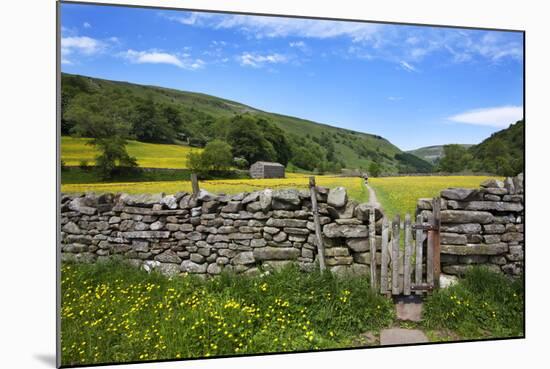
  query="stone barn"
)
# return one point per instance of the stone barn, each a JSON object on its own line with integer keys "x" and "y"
{"x": 265, "y": 169}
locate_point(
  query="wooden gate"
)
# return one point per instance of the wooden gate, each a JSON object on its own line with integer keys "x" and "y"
{"x": 411, "y": 266}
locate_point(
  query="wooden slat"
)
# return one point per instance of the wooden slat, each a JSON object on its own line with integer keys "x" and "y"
{"x": 407, "y": 258}
{"x": 418, "y": 256}
{"x": 437, "y": 246}
{"x": 430, "y": 255}
{"x": 385, "y": 257}
{"x": 372, "y": 244}
{"x": 317, "y": 223}
{"x": 395, "y": 256}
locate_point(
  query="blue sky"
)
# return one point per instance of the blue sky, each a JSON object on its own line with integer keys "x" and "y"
{"x": 416, "y": 86}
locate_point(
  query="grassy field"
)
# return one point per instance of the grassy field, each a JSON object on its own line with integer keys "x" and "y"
{"x": 398, "y": 195}
{"x": 75, "y": 150}
{"x": 356, "y": 188}
{"x": 116, "y": 313}
{"x": 111, "y": 312}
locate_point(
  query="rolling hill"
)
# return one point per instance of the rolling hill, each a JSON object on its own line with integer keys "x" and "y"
{"x": 431, "y": 154}
{"x": 199, "y": 113}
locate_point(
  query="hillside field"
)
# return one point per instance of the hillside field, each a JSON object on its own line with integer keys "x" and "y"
{"x": 74, "y": 150}
{"x": 398, "y": 195}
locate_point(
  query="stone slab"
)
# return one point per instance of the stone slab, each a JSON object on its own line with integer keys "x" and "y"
{"x": 401, "y": 336}
{"x": 409, "y": 311}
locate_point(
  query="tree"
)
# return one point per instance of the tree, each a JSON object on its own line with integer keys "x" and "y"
{"x": 154, "y": 123}
{"x": 374, "y": 169}
{"x": 248, "y": 141}
{"x": 97, "y": 117}
{"x": 216, "y": 156}
{"x": 454, "y": 158}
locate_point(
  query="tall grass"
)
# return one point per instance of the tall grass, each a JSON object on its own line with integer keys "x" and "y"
{"x": 484, "y": 304}
{"x": 113, "y": 312}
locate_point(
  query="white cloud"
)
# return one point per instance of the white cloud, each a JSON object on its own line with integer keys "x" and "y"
{"x": 83, "y": 44}
{"x": 158, "y": 57}
{"x": 270, "y": 27}
{"x": 500, "y": 116}
{"x": 395, "y": 98}
{"x": 392, "y": 43}
{"x": 258, "y": 60}
{"x": 86, "y": 25}
{"x": 407, "y": 66}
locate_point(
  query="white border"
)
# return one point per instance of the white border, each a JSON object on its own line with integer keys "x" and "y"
{"x": 28, "y": 167}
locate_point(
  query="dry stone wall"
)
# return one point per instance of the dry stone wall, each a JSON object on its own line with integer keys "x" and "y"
{"x": 482, "y": 226}
{"x": 209, "y": 233}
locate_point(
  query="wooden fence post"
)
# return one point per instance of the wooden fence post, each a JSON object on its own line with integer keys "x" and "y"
{"x": 436, "y": 240}
{"x": 407, "y": 257}
{"x": 372, "y": 242}
{"x": 385, "y": 257}
{"x": 418, "y": 256}
{"x": 195, "y": 184}
{"x": 317, "y": 222}
{"x": 395, "y": 256}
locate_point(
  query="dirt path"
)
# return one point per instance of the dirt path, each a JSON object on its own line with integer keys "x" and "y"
{"x": 373, "y": 201}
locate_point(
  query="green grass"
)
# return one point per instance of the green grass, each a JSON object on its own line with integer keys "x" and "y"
{"x": 74, "y": 150}
{"x": 399, "y": 195}
{"x": 115, "y": 313}
{"x": 482, "y": 305}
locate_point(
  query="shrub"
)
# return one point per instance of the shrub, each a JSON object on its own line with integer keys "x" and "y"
{"x": 84, "y": 165}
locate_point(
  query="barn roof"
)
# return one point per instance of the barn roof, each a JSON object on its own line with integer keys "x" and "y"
{"x": 270, "y": 163}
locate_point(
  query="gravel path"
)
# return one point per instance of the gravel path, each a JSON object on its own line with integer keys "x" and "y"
{"x": 373, "y": 201}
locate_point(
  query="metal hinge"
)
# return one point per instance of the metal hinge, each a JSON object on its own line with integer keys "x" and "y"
{"x": 422, "y": 287}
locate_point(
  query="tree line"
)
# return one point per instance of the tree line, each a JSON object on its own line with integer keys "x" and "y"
{"x": 501, "y": 154}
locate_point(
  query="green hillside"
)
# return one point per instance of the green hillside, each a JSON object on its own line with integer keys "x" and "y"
{"x": 502, "y": 152}
{"x": 432, "y": 154}
{"x": 162, "y": 115}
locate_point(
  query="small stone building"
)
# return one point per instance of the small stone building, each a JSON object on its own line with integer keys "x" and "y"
{"x": 265, "y": 169}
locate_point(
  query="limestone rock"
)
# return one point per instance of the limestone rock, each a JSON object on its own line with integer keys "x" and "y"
{"x": 475, "y": 249}
{"x": 287, "y": 199}
{"x": 276, "y": 253}
{"x": 168, "y": 256}
{"x": 457, "y": 193}
{"x": 244, "y": 258}
{"x": 460, "y": 216}
{"x": 337, "y": 197}
{"x": 169, "y": 270}
{"x": 492, "y": 183}
{"x": 71, "y": 228}
{"x": 461, "y": 228}
{"x": 187, "y": 266}
{"x": 169, "y": 201}
{"x": 334, "y": 230}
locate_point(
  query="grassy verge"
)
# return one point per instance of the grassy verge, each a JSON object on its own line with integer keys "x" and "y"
{"x": 113, "y": 312}
{"x": 482, "y": 305}
{"x": 398, "y": 195}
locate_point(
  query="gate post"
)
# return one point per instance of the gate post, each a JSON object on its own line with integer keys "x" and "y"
{"x": 436, "y": 219}
{"x": 317, "y": 222}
